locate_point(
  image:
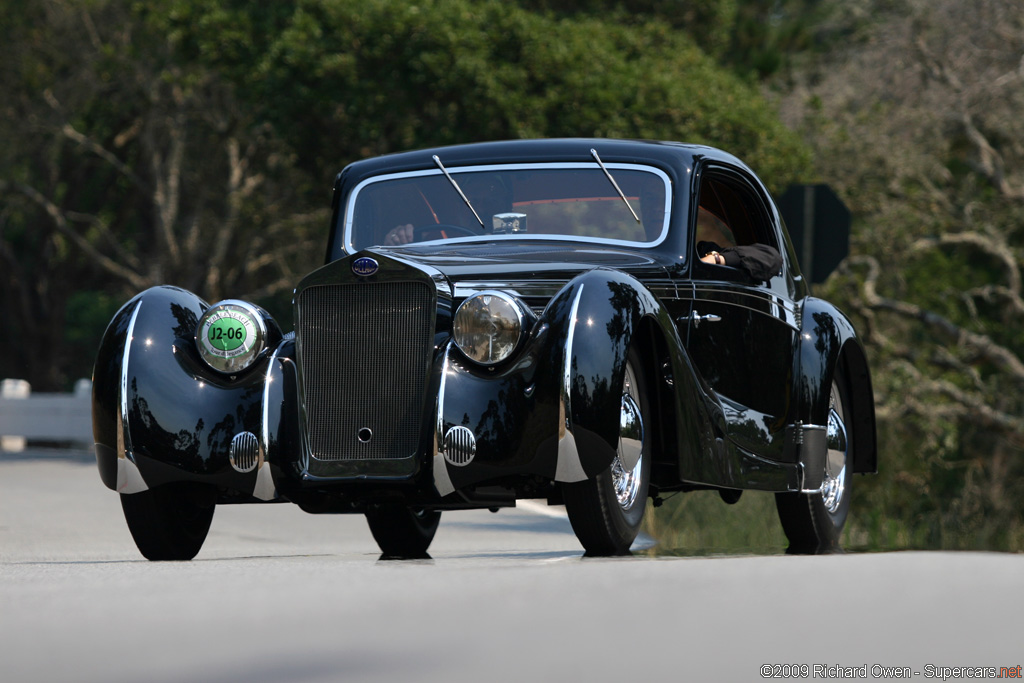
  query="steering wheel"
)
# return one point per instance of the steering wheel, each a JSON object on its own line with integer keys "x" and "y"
{"x": 460, "y": 230}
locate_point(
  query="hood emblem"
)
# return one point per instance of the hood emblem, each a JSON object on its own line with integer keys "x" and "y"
{"x": 364, "y": 266}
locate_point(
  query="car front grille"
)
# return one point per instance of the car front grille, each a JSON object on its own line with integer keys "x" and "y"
{"x": 364, "y": 351}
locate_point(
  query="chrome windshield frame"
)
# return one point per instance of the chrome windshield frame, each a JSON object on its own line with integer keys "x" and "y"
{"x": 349, "y": 214}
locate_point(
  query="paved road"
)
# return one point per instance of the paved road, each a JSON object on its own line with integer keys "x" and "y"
{"x": 278, "y": 595}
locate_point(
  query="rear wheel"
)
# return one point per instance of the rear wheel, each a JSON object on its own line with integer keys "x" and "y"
{"x": 402, "y": 532}
{"x": 170, "y": 522}
{"x": 606, "y": 511}
{"x": 813, "y": 522}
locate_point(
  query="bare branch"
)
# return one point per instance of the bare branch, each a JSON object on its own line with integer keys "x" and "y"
{"x": 90, "y": 28}
{"x": 280, "y": 285}
{"x": 122, "y": 254}
{"x": 941, "y": 399}
{"x": 129, "y": 133}
{"x": 969, "y": 406}
{"x": 167, "y": 183}
{"x": 68, "y": 131}
{"x": 982, "y": 345}
{"x": 990, "y": 161}
{"x": 942, "y": 358}
{"x": 240, "y": 187}
{"x": 991, "y": 245}
{"x": 991, "y": 293}
{"x": 60, "y": 221}
{"x": 275, "y": 255}
{"x": 935, "y": 67}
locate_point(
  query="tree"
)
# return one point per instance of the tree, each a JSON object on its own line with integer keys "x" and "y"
{"x": 384, "y": 76}
{"x": 193, "y": 142}
{"x": 920, "y": 118}
{"x": 125, "y": 169}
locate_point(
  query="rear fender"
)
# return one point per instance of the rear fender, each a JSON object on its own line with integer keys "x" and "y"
{"x": 829, "y": 344}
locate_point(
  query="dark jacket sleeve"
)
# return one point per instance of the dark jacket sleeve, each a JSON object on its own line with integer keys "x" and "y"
{"x": 760, "y": 261}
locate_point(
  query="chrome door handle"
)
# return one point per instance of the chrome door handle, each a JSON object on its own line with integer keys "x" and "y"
{"x": 696, "y": 318}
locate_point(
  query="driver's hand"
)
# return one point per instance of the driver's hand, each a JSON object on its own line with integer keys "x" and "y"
{"x": 401, "y": 234}
{"x": 714, "y": 258}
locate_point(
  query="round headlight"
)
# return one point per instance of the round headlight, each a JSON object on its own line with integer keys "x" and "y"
{"x": 230, "y": 335}
{"x": 487, "y": 327}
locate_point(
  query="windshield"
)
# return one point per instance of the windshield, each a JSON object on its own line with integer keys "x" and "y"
{"x": 524, "y": 201}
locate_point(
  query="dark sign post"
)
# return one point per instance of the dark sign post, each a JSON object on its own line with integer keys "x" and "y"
{"x": 819, "y": 225}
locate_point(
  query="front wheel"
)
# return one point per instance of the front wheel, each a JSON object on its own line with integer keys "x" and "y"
{"x": 170, "y": 522}
{"x": 606, "y": 511}
{"x": 402, "y": 532}
{"x": 813, "y": 522}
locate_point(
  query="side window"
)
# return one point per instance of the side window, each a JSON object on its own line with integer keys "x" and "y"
{"x": 731, "y": 213}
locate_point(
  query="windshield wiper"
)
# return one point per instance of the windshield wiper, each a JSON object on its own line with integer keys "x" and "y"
{"x": 593, "y": 153}
{"x": 458, "y": 189}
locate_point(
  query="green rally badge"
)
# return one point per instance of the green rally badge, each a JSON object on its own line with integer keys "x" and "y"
{"x": 227, "y": 333}
{"x": 230, "y": 335}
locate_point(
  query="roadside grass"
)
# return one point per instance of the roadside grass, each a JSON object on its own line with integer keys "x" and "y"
{"x": 701, "y": 523}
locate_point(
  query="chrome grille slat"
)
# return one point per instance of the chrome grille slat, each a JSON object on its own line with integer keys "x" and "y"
{"x": 364, "y": 350}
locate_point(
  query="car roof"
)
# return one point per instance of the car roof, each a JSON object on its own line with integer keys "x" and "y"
{"x": 661, "y": 153}
{"x": 678, "y": 160}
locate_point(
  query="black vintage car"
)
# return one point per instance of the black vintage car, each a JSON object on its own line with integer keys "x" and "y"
{"x": 587, "y": 322}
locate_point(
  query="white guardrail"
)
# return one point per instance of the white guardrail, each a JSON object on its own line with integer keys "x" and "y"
{"x": 49, "y": 418}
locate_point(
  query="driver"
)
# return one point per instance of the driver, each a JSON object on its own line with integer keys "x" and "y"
{"x": 485, "y": 190}
{"x": 403, "y": 234}
{"x": 400, "y": 234}
{"x": 760, "y": 261}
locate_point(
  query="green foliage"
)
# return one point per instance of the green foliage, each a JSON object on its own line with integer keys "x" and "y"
{"x": 768, "y": 34}
{"x": 707, "y": 22}
{"x": 937, "y": 493}
{"x": 343, "y": 80}
{"x": 86, "y": 316}
{"x": 141, "y": 138}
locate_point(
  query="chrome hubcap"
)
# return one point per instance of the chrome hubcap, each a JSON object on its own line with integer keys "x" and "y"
{"x": 628, "y": 464}
{"x": 834, "y": 485}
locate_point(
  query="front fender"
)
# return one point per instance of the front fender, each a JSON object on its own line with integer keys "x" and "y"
{"x": 554, "y": 410}
{"x": 160, "y": 414}
{"x": 597, "y": 315}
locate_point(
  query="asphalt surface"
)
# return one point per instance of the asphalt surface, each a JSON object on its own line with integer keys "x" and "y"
{"x": 279, "y": 595}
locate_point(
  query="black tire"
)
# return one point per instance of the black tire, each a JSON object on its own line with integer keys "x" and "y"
{"x": 170, "y": 522}
{"x": 813, "y": 522}
{"x": 607, "y": 510}
{"x": 402, "y": 532}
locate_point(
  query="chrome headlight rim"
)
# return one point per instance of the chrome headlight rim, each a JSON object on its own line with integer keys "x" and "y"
{"x": 240, "y": 357}
{"x": 520, "y": 320}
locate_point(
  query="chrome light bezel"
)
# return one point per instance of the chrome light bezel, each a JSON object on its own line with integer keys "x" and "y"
{"x": 241, "y": 356}
{"x": 516, "y": 320}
